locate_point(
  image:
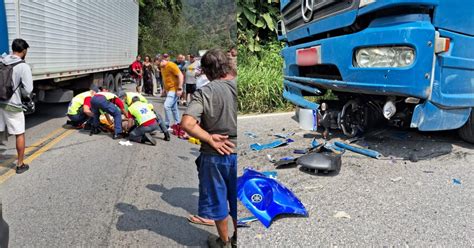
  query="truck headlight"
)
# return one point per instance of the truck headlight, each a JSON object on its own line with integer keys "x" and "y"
{"x": 377, "y": 57}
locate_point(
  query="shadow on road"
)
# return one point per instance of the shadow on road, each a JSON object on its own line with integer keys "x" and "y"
{"x": 45, "y": 112}
{"x": 171, "y": 226}
{"x": 184, "y": 198}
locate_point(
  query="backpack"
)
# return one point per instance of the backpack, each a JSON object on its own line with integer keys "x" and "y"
{"x": 6, "y": 81}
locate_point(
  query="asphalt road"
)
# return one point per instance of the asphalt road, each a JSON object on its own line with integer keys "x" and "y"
{"x": 90, "y": 191}
{"x": 390, "y": 202}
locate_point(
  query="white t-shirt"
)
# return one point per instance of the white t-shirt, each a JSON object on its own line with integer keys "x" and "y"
{"x": 201, "y": 81}
{"x": 191, "y": 72}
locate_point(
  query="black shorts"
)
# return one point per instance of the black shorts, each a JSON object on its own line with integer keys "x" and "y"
{"x": 190, "y": 88}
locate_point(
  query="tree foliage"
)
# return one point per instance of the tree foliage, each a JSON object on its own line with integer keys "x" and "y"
{"x": 257, "y": 22}
{"x": 186, "y": 26}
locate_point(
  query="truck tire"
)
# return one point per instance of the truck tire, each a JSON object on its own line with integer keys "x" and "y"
{"x": 466, "y": 132}
{"x": 118, "y": 82}
{"x": 109, "y": 82}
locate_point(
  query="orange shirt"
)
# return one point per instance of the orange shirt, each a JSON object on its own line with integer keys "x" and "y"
{"x": 170, "y": 74}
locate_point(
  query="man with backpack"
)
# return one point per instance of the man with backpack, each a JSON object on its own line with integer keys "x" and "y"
{"x": 16, "y": 81}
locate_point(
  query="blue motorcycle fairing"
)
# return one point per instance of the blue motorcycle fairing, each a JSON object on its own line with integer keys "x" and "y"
{"x": 266, "y": 198}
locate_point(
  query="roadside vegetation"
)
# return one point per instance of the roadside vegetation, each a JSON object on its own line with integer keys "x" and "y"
{"x": 259, "y": 62}
{"x": 186, "y": 26}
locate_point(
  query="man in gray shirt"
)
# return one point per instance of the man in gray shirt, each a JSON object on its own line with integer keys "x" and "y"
{"x": 11, "y": 111}
{"x": 212, "y": 118}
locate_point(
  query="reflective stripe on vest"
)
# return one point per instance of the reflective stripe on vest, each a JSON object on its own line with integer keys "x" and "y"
{"x": 131, "y": 95}
{"x": 141, "y": 112}
{"x": 77, "y": 102}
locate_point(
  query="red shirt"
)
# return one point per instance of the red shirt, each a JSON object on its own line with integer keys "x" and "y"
{"x": 146, "y": 124}
{"x": 138, "y": 67}
{"x": 119, "y": 103}
{"x": 87, "y": 101}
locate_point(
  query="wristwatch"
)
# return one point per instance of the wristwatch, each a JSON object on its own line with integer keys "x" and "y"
{"x": 180, "y": 88}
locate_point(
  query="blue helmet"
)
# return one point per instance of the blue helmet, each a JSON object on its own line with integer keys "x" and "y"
{"x": 266, "y": 198}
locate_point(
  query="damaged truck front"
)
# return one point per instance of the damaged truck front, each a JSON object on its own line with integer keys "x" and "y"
{"x": 401, "y": 62}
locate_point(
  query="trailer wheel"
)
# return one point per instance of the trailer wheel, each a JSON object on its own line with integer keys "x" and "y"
{"x": 466, "y": 132}
{"x": 118, "y": 82}
{"x": 109, "y": 82}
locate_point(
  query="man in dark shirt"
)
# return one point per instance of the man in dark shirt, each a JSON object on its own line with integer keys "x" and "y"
{"x": 212, "y": 118}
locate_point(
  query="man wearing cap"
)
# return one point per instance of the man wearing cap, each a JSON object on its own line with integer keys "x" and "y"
{"x": 111, "y": 104}
{"x": 173, "y": 82}
{"x": 79, "y": 110}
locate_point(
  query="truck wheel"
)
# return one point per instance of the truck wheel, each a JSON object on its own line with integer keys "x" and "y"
{"x": 118, "y": 82}
{"x": 109, "y": 82}
{"x": 467, "y": 131}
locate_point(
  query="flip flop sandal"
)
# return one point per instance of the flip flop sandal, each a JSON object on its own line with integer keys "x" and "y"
{"x": 200, "y": 221}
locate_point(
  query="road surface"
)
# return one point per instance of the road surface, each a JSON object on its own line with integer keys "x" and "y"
{"x": 390, "y": 202}
{"x": 90, "y": 191}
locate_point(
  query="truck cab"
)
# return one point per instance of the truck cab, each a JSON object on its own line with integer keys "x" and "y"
{"x": 399, "y": 62}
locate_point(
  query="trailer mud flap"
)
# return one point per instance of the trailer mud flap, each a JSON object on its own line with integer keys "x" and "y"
{"x": 428, "y": 117}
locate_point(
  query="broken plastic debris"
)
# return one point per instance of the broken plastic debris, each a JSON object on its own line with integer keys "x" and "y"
{"x": 300, "y": 151}
{"x": 266, "y": 198}
{"x": 342, "y": 214}
{"x": 396, "y": 179}
{"x": 274, "y": 144}
{"x": 456, "y": 181}
{"x": 270, "y": 158}
{"x": 250, "y": 134}
{"x": 366, "y": 152}
{"x": 270, "y": 174}
{"x": 243, "y": 222}
{"x": 314, "y": 143}
{"x": 125, "y": 143}
{"x": 284, "y": 136}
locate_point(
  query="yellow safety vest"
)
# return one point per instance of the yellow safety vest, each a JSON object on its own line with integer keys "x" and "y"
{"x": 141, "y": 112}
{"x": 131, "y": 95}
{"x": 77, "y": 102}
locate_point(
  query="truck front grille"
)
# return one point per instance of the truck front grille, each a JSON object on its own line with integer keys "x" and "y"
{"x": 293, "y": 19}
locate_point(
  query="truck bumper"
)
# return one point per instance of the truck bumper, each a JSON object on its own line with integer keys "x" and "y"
{"x": 416, "y": 80}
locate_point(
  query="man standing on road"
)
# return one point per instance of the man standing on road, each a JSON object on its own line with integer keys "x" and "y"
{"x": 173, "y": 81}
{"x": 110, "y": 104}
{"x": 212, "y": 118}
{"x": 137, "y": 73}
{"x": 190, "y": 77}
{"x": 11, "y": 111}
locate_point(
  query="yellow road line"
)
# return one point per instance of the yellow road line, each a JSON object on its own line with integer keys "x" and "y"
{"x": 36, "y": 154}
{"x": 48, "y": 146}
{"x": 7, "y": 162}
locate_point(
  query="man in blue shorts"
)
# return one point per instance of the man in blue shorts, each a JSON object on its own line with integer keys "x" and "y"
{"x": 212, "y": 118}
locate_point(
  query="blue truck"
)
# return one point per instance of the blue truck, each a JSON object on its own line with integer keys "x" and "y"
{"x": 405, "y": 63}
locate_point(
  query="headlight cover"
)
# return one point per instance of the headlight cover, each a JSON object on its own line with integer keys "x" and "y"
{"x": 384, "y": 57}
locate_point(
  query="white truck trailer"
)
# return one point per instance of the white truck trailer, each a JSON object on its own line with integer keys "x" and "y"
{"x": 73, "y": 43}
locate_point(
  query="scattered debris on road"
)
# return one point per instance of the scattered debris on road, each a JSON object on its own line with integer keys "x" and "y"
{"x": 366, "y": 152}
{"x": 251, "y": 135}
{"x": 125, "y": 143}
{"x": 456, "y": 181}
{"x": 273, "y": 144}
{"x": 341, "y": 215}
{"x": 396, "y": 179}
{"x": 254, "y": 187}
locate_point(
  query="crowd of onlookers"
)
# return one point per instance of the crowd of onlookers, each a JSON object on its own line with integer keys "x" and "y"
{"x": 149, "y": 80}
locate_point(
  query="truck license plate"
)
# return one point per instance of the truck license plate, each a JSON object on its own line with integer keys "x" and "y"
{"x": 308, "y": 56}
